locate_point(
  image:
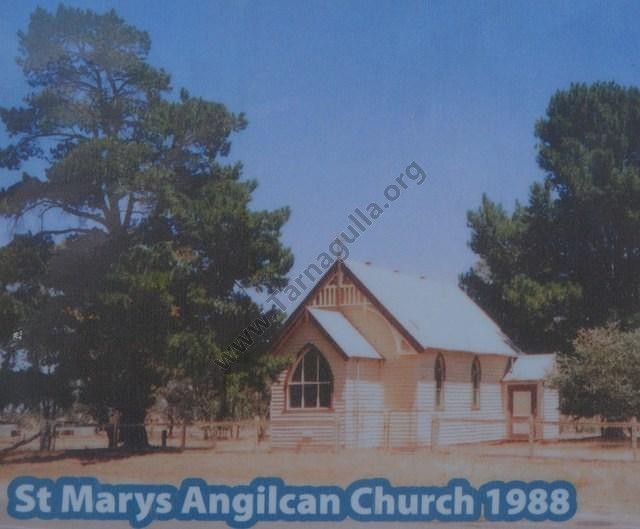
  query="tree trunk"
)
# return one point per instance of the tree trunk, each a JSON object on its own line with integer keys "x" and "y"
{"x": 133, "y": 433}
{"x": 45, "y": 437}
{"x": 111, "y": 436}
{"x": 45, "y": 429}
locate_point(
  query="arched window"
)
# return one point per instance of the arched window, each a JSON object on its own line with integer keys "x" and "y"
{"x": 476, "y": 377}
{"x": 440, "y": 374}
{"x": 311, "y": 383}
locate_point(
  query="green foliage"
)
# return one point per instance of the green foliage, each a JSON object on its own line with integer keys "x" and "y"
{"x": 36, "y": 389}
{"x": 601, "y": 376}
{"x": 153, "y": 234}
{"x": 27, "y": 307}
{"x": 21, "y": 263}
{"x": 570, "y": 257}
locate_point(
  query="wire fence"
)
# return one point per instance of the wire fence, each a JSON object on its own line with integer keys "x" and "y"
{"x": 391, "y": 430}
{"x": 593, "y": 440}
{"x": 55, "y": 436}
{"x": 412, "y": 430}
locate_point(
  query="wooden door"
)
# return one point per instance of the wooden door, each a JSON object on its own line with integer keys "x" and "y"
{"x": 522, "y": 406}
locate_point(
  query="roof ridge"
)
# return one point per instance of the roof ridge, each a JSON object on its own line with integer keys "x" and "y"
{"x": 429, "y": 334}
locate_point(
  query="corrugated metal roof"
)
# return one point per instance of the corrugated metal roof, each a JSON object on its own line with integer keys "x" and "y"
{"x": 437, "y": 315}
{"x": 531, "y": 367}
{"x": 345, "y": 335}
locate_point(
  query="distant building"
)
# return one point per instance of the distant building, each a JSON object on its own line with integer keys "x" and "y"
{"x": 379, "y": 355}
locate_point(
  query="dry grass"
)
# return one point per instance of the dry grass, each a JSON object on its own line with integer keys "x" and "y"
{"x": 604, "y": 487}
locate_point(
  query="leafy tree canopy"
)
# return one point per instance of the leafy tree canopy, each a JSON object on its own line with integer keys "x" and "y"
{"x": 570, "y": 257}
{"x": 601, "y": 376}
{"x": 147, "y": 238}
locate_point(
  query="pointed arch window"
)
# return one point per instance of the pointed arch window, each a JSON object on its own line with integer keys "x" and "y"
{"x": 311, "y": 382}
{"x": 440, "y": 374}
{"x": 476, "y": 378}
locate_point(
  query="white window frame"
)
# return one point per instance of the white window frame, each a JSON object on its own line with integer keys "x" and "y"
{"x": 476, "y": 369}
{"x": 302, "y": 382}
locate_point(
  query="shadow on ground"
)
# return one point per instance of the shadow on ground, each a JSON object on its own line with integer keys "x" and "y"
{"x": 86, "y": 456}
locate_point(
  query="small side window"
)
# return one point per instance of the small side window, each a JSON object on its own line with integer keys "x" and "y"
{"x": 476, "y": 378}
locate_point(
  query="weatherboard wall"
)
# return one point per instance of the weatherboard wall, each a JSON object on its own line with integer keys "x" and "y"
{"x": 363, "y": 423}
{"x": 391, "y": 402}
{"x": 314, "y": 427}
{"x": 550, "y": 412}
{"x": 458, "y": 399}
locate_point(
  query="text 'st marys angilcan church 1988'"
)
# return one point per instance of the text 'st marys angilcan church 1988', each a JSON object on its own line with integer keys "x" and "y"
{"x": 382, "y": 357}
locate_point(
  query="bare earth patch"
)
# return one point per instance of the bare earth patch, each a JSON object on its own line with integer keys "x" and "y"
{"x": 608, "y": 491}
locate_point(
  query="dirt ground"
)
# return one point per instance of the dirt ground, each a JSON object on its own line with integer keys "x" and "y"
{"x": 608, "y": 491}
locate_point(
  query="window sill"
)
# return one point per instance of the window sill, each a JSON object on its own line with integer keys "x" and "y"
{"x": 309, "y": 410}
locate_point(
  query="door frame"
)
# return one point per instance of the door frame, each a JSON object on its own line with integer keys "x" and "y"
{"x": 533, "y": 389}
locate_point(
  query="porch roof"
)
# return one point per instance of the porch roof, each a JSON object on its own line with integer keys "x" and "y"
{"x": 531, "y": 367}
{"x": 345, "y": 335}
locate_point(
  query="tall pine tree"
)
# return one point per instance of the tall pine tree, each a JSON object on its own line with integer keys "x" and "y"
{"x": 151, "y": 238}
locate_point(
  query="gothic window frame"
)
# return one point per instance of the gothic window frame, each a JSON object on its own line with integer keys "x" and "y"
{"x": 476, "y": 382}
{"x": 440, "y": 377}
{"x": 310, "y": 384}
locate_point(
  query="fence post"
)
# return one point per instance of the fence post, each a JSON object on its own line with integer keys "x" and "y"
{"x": 435, "y": 433}
{"x": 634, "y": 437}
{"x": 532, "y": 434}
{"x": 183, "y": 440}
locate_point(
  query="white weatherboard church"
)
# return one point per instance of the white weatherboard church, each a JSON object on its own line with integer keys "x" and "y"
{"x": 379, "y": 355}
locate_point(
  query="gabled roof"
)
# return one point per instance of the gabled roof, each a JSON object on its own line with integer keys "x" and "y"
{"x": 437, "y": 315}
{"x": 343, "y": 334}
{"x": 427, "y": 313}
{"x": 531, "y": 367}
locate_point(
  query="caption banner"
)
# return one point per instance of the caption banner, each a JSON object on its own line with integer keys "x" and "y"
{"x": 270, "y": 499}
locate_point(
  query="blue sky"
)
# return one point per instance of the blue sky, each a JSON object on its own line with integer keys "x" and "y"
{"x": 342, "y": 96}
